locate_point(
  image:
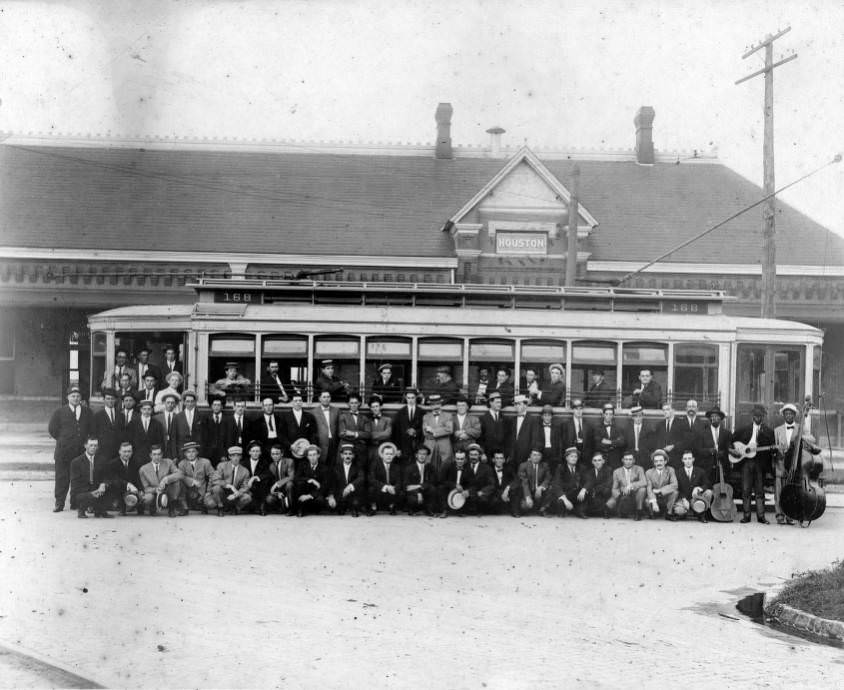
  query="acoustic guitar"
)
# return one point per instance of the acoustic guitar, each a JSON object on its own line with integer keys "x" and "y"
{"x": 723, "y": 508}
{"x": 739, "y": 451}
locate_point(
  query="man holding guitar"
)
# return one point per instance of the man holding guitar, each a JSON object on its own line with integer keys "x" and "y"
{"x": 751, "y": 446}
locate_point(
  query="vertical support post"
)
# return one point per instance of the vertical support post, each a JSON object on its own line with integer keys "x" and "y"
{"x": 571, "y": 250}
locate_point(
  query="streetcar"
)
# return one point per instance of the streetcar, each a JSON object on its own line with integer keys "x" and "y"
{"x": 693, "y": 349}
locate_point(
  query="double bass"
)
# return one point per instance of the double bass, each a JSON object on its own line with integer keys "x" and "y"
{"x": 802, "y": 499}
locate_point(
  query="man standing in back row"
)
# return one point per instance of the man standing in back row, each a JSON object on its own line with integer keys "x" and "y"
{"x": 69, "y": 426}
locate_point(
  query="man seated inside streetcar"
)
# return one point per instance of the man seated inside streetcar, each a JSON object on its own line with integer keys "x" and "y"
{"x": 232, "y": 384}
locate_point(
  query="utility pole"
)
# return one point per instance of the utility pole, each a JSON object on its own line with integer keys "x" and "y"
{"x": 571, "y": 251}
{"x": 769, "y": 246}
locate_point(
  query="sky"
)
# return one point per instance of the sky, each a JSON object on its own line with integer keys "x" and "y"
{"x": 551, "y": 73}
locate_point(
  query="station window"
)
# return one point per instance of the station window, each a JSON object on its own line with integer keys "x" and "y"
{"x": 345, "y": 355}
{"x": 98, "y": 363}
{"x": 435, "y": 353}
{"x": 696, "y": 375}
{"x": 638, "y": 356}
{"x": 236, "y": 381}
{"x": 291, "y": 355}
{"x": 489, "y": 357}
{"x": 536, "y": 357}
{"x": 788, "y": 375}
{"x": 589, "y": 361}
{"x": 397, "y": 353}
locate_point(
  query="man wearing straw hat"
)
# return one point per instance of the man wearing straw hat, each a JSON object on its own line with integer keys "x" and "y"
{"x": 197, "y": 476}
{"x": 694, "y": 489}
{"x": 385, "y": 487}
{"x": 231, "y": 489}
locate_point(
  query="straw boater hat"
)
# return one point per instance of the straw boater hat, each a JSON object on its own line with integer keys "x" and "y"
{"x": 434, "y": 399}
{"x": 235, "y": 449}
{"x": 572, "y": 450}
{"x": 789, "y": 406}
{"x": 608, "y": 406}
{"x": 456, "y": 500}
{"x": 557, "y": 366}
{"x": 171, "y": 394}
{"x": 384, "y": 446}
{"x": 636, "y": 409}
{"x": 299, "y": 447}
{"x": 189, "y": 445}
{"x": 474, "y": 446}
{"x": 520, "y": 399}
{"x": 347, "y": 446}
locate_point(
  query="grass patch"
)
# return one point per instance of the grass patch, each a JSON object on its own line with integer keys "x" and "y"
{"x": 819, "y": 592}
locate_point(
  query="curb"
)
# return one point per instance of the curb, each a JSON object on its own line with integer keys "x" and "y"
{"x": 790, "y": 617}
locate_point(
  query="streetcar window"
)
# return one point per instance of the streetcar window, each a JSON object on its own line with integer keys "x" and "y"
{"x": 146, "y": 352}
{"x": 98, "y": 364}
{"x": 231, "y": 366}
{"x": 344, "y": 354}
{"x": 492, "y": 358}
{"x": 788, "y": 377}
{"x": 589, "y": 361}
{"x": 695, "y": 375}
{"x": 816, "y": 369}
{"x": 290, "y": 353}
{"x": 387, "y": 382}
{"x": 435, "y": 353}
{"x": 536, "y": 357}
{"x": 636, "y": 357}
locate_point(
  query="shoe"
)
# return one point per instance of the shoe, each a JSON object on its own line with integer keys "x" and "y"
{"x": 428, "y": 513}
{"x": 606, "y": 515}
{"x": 182, "y": 512}
{"x": 203, "y": 510}
{"x": 123, "y": 510}
{"x": 703, "y": 519}
{"x": 263, "y": 510}
{"x": 637, "y": 516}
{"x": 355, "y": 512}
{"x": 411, "y": 513}
{"x": 140, "y": 509}
{"x": 299, "y": 513}
{"x": 762, "y": 520}
{"x": 171, "y": 512}
{"x": 221, "y": 512}
{"x": 81, "y": 515}
{"x": 58, "y": 508}
{"x": 103, "y": 515}
{"x": 789, "y": 521}
{"x": 392, "y": 510}
{"x": 443, "y": 515}
{"x": 370, "y": 512}
{"x": 780, "y": 518}
{"x": 671, "y": 518}
{"x": 745, "y": 519}
{"x": 581, "y": 514}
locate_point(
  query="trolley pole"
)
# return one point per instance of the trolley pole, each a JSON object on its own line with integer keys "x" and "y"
{"x": 769, "y": 246}
{"x": 571, "y": 251}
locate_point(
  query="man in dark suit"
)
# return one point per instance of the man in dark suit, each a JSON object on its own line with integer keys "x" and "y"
{"x": 577, "y": 433}
{"x": 649, "y": 393}
{"x": 532, "y": 481}
{"x": 266, "y": 428}
{"x": 385, "y": 485}
{"x": 327, "y": 420}
{"x": 69, "y": 426}
{"x": 479, "y": 483}
{"x": 385, "y": 386}
{"x": 123, "y": 480}
{"x": 214, "y": 434}
{"x": 597, "y": 480}
{"x": 568, "y": 489}
{"x": 420, "y": 484}
{"x": 311, "y": 484}
{"x": 523, "y": 433}
{"x": 599, "y": 393}
{"x": 88, "y": 481}
{"x": 327, "y": 382}
{"x": 355, "y": 428}
{"x": 753, "y": 470}
{"x": 272, "y": 385}
{"x": 692, "y": 483}
{"x": 297, "y": 423}
{"x": 144, "y": 368}
{"x": 260, "y": 478}
{"x": 712, "y": 445}
{"x": 407, "y": 427}
{"x": 189, "y": 422}
{"x": 690, "y": 430}
{"x": 637, "y": 438}
{"x": 171, "y": 364}
{"x": 237, "y": 427}
{"x": 127, "y": 415}
{"x": 381, "y": 429}
{"x": 608, "y": 437}
{"x": 502, "y": 479}
{"x": 149, "y": 389}
{"x": 348, "y": 483}
{"x": 668, "y": 435}
{"x": 551, "y": 438}
{"x": 146, "y": 432}
{"x": 493, "y": 427}
{"x": 167, "y": 419}
{"x": 503, "y": 386}
{"x": 107, "y": 425}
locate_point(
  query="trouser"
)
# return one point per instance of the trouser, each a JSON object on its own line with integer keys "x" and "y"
{"x": 383, "y": 500}
{"x": 149, "y": 498}
{"x": 280, "y": 500}
{"x": 221, "y": 494}
{"x": 315, "y": 504}
{"x": 63, "y": 483}
{"x": 423, "y": 499}
{"x": 553, "y": 502}
{"x": 86, "y": 499}
{"x": 753, "y": 482}
{"x": 117, "y": 501}
{"x": 665, "y": 502}
{"x": 518, "y": 501}
{"x": 259, "y": 492}
{"x": 683, "y": 506}
{"x": 190, "y": 498}
{"x": 497, "y": 504}
{"x": 596, "y": 501}
{"x": 626, "y": 504}
{"x": 351, "y": 501}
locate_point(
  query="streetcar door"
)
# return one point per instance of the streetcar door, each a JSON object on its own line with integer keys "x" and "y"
{"x": 768, "y": 375}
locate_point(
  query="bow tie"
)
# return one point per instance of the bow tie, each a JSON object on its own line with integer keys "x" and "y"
{"x": 544, "y": 424}
{"x": 376, "y": 416}
{"x": 789, "y": 426}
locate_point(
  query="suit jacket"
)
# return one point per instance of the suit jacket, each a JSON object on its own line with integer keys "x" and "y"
{"x": 427, "y": 479}
{"x": 109, "y": 433}
{"x": 709, "y": 452}
{"x": 651, "y": 396}
{"x": 402, "y": 424}
{"x": 471, "y": 427}
{"x": 165, "y": 369}
{"x": 189, "y": 432}
{"x": 262, "y": 471}
{"x": 520, "y": 444}
{"x": 259, "y": 431}
{"x": 171, "y": 447}
{"x": 151, "y": 368}
{"x": 585, "y": 443}
{"x": 235, "y": 436}
{"x": 144, "y": 394}
{"x": 381, "y": 430}
{"x": 507, "y": 478}
{"x": 665, "y": 480}
{"x": 598, "y": 395}
{"x": 765, "y": 437}
{"x": 325, "y": 443}
{"x": 493, "y": 433}
{"x": 293, "y": 430}
{"x": 616, "y": 446}
{"x": 599, "y": 482}
{"x": 117, "y": 474}
{"x": 506, "y": 390}
{"x": 637, "y": 479}
{"x": 272, "y": 388}
{"x": 552, "y": 454}
{"x": 203, "y": 474}
{"x": 304, "y": 473}
{"x": 80, "y": 474}
{"x": 567, "y": 481}
{"x": 685, "y": 486}
{"x": 228, "y": 473}
{"x": 111, "y": 379}
{"x": 390, "y": 392}
{"x": 356, "y": 433}
{"x": 214, "y": 438}
{"x": 447, "y": 478}
{"x": 675, "y": 436}
{"x": 142, "y": 440}
{"x": 357, "y": 479}
{"x": 479, "y": 481}
{"x": 689, "y": 438}
{"x": 167, "y": 470}
{"x": 68, "y": 432}
{"x": 530, "y": 478}
{"x": 553, "y": 394}
{"x": 283, "y": 471}
{"x": 438, "y": 440}
{"x": 378, "y": 477}
{"x": 643, "y": 453}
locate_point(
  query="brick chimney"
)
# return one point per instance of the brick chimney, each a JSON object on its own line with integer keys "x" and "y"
{"x": 644, "y": 121}
{"x": 443, "y": 117}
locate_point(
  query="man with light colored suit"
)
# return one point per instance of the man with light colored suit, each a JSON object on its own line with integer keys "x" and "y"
{"x": 437, "y": 427}
{"x": 160, "y": 476}
{"x": 661, "y": 486}
{"x": 629, "y": 486}
{"x": 231, "y": 484}
{"x": 467, "y": 427}
{"x": 197, "y": 476}
{"x": 327, "y": 425}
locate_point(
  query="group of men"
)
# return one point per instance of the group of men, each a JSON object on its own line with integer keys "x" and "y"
{"x": 428, "y": 460}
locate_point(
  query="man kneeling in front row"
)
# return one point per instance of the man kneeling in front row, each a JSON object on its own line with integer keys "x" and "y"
{"x": 197, "y": 476}
{"x": 87, "y": 483}
{"x": 694, "y": 489}
{"x": 160, "y": 478}
{"x": 568, "y": 489}
{"x": 662, "y": 487}
{"x": 231, "y": 484}
{"x": 628, "y": 488}
{"x": 348, "y": 484}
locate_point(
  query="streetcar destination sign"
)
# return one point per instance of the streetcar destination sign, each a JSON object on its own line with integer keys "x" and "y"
{"x": 521, "y": 243}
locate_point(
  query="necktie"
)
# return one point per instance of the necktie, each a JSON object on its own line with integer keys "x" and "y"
{"x": 169, "y": 420}
{"x": 155, "y": 465}
{"x": 270, "y": 423}
{"x": 346, "y": 467}
{"x": 146, "y": 424}
{"x": 217, "y": 418}
{"x": 667, "y": 427}
{"x": 689, "y": 474}
{"x": 577, "y": 430}
{"x": 77, "y": 412}
{"x": 636, "y": 437}
{"x": 459, "y": 476}
{"x": 90, "y": 470}
{"x": 110, "y": 415}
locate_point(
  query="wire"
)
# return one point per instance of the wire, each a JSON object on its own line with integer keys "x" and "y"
{"x": 836, "y": 159}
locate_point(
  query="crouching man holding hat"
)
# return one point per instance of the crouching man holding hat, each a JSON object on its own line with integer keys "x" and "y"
{"x": 347, "y": 488}
{"x": 629, "y": 486}
{"x": 662, "y": 486}
{"x": 385, "y": 486}
{"x": 197, "y": 476}
{"x": 283, "y": 471}
{"x": 694, "y": 489}
{"x": 231, "y": 484}
{"x": 568, "y": 492}
{"x": 161, "y": 483}
{"x": 311, "y": 484}
{"x": 124, "y": 480}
